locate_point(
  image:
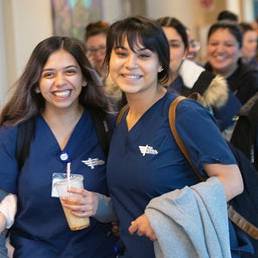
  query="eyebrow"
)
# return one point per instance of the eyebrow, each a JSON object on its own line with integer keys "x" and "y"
{"x": 140, "y": 49}
{"x": 66, "y": 67}
{"x": 175, "y": 40}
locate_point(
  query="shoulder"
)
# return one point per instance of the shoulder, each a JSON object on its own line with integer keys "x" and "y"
{"x": 8, "y": 133}
{"x": 190, "y": 106}
{"x": 245, "y": 71}
{"x": 8, "y": 138}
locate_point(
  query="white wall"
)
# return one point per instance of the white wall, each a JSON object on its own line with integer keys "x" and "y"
{"x": 248, "y": 10}
{"x": 3, "y": 70}
{"x": 29, "y": 21}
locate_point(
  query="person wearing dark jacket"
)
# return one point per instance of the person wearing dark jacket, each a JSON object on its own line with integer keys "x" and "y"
{"x": 245, "y": 134}
{"x": 190, "y": 79}
{"x": 223, "y": 53}
{"x": 245, "y": 138}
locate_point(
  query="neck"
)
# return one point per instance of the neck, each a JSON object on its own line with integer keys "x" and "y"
{"x": 227, "y": 73}
{"x": 139, "y": 103}
{"x": 57, "y": 116}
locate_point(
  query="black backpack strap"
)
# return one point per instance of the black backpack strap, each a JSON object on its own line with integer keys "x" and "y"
{"x": 103, "y": 129}
{"x": 25, "y": 134}
{"x": 203, "y": 82}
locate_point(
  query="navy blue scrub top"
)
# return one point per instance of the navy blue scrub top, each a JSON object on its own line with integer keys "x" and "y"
{"x": 145, "y": 162}
{"x": 40, "y": 228}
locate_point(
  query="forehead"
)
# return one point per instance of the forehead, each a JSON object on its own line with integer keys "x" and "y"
{"x": 171, "y": 33}
{"x": 222, "y": 34}
{"x": 250, "y": 33}
{"x": 60, "y": 58}
{"x": 133, "y": 42}
{"x": 99, "y": 39}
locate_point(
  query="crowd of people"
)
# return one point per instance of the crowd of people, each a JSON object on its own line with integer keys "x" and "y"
{"x": 102, "y": 106}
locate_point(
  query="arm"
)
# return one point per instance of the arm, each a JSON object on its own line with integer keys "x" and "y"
{"x": 230, "y": 177}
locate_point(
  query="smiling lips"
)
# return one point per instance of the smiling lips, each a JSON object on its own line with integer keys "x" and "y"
{"x": 62, "y": 93}
{"x": 131, "y": 76}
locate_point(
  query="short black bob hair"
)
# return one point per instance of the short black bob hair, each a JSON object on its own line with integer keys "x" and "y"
{"x": 232, "y": 27}
{"x": 140, "y": 30}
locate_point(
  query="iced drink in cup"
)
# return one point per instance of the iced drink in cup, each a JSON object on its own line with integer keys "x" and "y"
{"x": 62, "y": 186}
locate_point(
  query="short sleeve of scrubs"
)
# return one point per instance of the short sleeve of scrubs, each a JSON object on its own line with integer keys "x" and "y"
{"x": 8, "y": 163}
{"x": 201, "y": 136}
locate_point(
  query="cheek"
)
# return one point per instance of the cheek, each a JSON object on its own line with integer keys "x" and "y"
{"x": 43, "y": 85}
{"x": 210, "y": 49}
{"x": 235, "y": 54}
{"x": 114, "y": 66}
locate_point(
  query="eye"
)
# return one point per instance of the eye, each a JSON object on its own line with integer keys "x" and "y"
{"x": 175, "y": 45}
{"x": 213, "y": 44}
{"x": 48, "y": 75}
{"x": 229, "y": 44}
{"x": 70, "y": 71}
{"x": 121, "y": 53}
{"x": 144, "y": 56}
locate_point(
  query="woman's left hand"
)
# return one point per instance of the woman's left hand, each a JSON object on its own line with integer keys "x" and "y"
{"x": 143, "y": 228}
{"x": 82, "y": 203}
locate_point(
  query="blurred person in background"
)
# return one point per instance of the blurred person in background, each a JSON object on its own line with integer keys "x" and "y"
{"x": 187, "y": 77}
{"x": 227, "y": 15}
{"x": 249, "y": 44}
{"x": 193, "y": 46}
{"x": 223, "y": 56}
{"x": 95, "y": 43}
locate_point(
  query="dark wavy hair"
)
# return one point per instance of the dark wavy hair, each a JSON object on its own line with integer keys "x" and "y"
{"x": 177, "y": 25}
{"x": 25, "y": 103}
{"x": 140, "y": 30}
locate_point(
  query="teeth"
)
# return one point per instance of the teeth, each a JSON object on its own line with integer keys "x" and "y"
{"x": 220, "y": 58}
{"x": 132, "y": 76}
{"x": 64, "y": 93}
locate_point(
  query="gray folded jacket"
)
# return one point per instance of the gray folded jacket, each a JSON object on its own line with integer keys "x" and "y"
{"x": 191, "y": 222}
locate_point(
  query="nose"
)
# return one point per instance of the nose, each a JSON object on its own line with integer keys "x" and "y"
{"x": 220, "y": 48}
{"x": 131, "y": 62}
{"x": 99, "y": 56}
{"x": 60, "y": 79}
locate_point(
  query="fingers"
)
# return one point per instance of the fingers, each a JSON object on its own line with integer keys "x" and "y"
{"x": 133, "y": 227}
{"x": 81, "y": 203}
{"x": 142, "y": 227}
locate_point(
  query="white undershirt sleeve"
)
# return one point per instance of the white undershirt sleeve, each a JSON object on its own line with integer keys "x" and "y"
{"x": 8, "y": 206}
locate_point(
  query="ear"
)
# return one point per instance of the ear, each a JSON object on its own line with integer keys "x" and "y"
{"x": 37, "y": 90}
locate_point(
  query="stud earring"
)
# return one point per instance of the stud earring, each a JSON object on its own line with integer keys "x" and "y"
{"x": 37, "y": 90}
{"x": 160, "y": 69}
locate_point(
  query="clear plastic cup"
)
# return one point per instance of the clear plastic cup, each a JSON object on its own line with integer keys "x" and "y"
{"x": 62, "y": 186}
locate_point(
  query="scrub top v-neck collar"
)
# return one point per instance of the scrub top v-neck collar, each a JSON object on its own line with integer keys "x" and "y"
{"x": 140, "y": 124}
{"x": 72, "y": 142}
